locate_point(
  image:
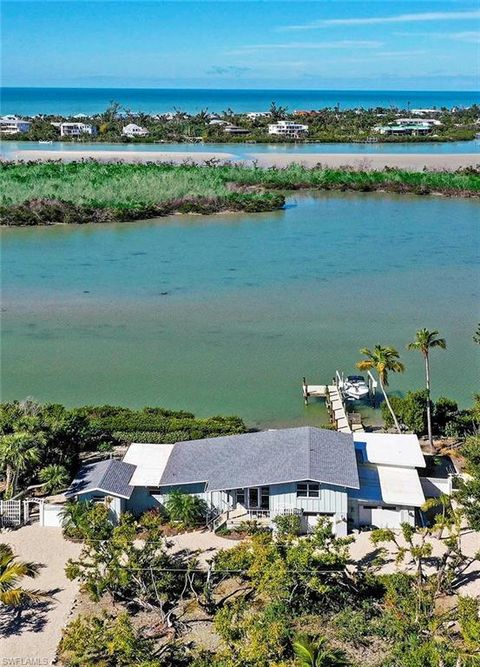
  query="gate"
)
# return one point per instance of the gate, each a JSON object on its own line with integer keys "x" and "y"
{"x": 10, "y": 513}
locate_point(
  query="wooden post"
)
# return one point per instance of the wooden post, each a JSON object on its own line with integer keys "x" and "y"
{"x": 305, "y": 391}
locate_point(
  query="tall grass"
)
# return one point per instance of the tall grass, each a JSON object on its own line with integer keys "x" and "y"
{"x": 156, "y": 189}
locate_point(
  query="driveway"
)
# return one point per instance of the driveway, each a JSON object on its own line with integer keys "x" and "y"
{"x": 32, "y": 638}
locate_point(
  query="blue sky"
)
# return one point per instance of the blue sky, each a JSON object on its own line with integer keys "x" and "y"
{"x": 242, "y": 44}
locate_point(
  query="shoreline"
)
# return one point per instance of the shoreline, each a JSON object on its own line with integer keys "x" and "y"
{"x": 359, "y": 161}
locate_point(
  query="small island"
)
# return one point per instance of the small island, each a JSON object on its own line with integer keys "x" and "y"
{"x": 42, "y": 193}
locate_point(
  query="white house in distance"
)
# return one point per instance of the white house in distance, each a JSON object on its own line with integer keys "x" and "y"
{"x": 235, "y": 130}
{"x": 255, "y": 115}
{"x": 76, "y": 129}
{"x": 409, "y": 126}
{"x": 134, "y": 130}
{"x": 287, "y": 128}
{"x": 13, "y": 125}
{"x": 360, "y": 479}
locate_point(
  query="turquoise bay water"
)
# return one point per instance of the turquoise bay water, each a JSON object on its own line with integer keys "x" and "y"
{"x": 29, "y": 101}
{"x": 225, "y": 314}
{"x": 9, "y": 149}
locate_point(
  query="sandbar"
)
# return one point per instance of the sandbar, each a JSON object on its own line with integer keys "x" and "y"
{"x": 360, "y": 161}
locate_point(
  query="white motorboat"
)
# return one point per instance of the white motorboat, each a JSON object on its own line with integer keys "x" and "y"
{"x": 45, "y": 141}
{"x": 355, "y": 388}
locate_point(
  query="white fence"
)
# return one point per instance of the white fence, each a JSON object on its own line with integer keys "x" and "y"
{"x": 14, "y": 513}
{"x": 51, "y": 515}
{"x": 10, "y": 513}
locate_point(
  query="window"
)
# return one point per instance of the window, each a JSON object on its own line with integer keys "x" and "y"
{"x": 308, "y": 490}
{"x": 240, "y": 493}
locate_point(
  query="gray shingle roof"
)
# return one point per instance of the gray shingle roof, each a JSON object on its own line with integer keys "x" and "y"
{"x": 110, "y": 476}
{"x": 266, "y": 457}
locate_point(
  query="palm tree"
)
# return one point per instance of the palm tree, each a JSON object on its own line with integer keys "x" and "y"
{"x": 319, "y": 654}
{"x": 383, "y": 360}
{"x": 11, "y": 572}
{"x": 185, "y": 508}
{"x": 74, "y": 518}
{"x": 54, "y": 477}
{"x": 17, "y": 451}
{"x": 425, "y": 341}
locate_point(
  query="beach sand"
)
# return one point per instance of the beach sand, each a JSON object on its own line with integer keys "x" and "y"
{"x": 122, "y": 156}
{"x": 371, "y": 161}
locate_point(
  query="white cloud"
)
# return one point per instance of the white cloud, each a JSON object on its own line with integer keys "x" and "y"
{"x": 400, "y": 54}
{"x": 340, "y": 44}
{"x": 468, "y": 36}
{"x": 379, "y": 20}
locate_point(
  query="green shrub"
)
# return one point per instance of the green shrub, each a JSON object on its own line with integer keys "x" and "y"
{"x": 152, "y": 519}
{"x": 104, "y": 640}
{"x": 411, "y": 410}
{"x": 251, "y": 527}
{"x": 287, "y": 525}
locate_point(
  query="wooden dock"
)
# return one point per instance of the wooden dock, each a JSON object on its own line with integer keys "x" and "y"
{"x": 344, "y": 421}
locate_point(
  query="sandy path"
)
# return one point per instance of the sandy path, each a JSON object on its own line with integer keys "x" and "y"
{"x": 412, "y": 161}
{"x": 363, "y": 549}
{"x": 206, "y": 543}
{"x": 35, "y": 640}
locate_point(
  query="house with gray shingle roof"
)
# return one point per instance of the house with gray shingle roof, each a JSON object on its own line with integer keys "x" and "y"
{"x": 96, "y": 481}
{"x": 306, "y": 471}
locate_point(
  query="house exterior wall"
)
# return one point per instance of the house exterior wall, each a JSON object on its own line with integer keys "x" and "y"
{"x": 14, "y": 126}
{"x": 331, "y": 500}
{"x": 76, "y": 129}
{"x": 378, "y": 515}
{"x": 116, "y": 505}
{"x": 143, "y": 499}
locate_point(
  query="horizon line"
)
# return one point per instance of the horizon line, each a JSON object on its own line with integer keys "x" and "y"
{"x": 306, "y": 90}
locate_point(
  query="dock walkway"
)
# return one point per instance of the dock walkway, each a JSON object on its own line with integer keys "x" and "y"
{"x": 344, "y": 422}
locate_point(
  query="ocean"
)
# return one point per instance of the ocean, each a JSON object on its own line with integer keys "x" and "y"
{"x": 70, "y": 101}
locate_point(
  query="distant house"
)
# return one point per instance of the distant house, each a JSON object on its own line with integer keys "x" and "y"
{"x": 14, "y": 125}
{"x": 217, "y": 121}
{"x": 76, "y": 129}
{"x": 287, "y": 128}
{"x": 255, "y": 115}
{"x": 305, "y": 112}
{"x": 234, "y": 129}
{"x": 356, "y": 480}
{"x": 415, "y": 121}
{"x": 408, "y": 127}
{"x": 422, "y": 112}
{"x": 415, "y": 129}
{"x": 133, "y": 130}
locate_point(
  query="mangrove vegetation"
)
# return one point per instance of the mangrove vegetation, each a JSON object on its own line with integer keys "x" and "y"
{"x": 34, "y": 193}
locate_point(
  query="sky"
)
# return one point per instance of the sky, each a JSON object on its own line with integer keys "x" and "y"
{"x": 324, "y": 44}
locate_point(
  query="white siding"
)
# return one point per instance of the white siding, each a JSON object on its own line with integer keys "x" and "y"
{"x": 376, "y": 515}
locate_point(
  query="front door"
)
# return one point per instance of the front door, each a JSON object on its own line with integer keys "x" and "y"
{"x": 253, "y": 498}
